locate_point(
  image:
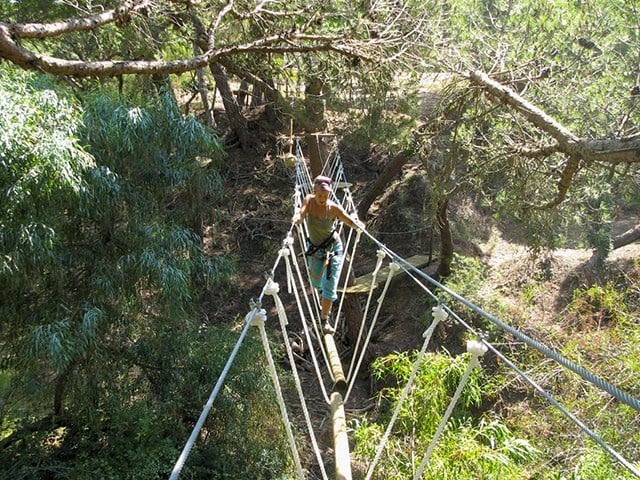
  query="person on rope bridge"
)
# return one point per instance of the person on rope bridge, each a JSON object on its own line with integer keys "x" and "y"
{"x": 324, "y": 247}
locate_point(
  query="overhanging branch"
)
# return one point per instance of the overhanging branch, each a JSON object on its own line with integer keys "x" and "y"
{"x": 578, "y": 150}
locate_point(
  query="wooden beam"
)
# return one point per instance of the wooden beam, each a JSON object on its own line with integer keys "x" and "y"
{"x": 363, "y": 283}
{"x": 340, "y": 383}
{"x": 340, "y": 438}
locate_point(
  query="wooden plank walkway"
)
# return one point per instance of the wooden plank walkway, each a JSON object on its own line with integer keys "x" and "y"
{"x": 363, "y": 283}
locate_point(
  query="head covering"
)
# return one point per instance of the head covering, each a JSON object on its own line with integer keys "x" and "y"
{"x": 322, "y": 183}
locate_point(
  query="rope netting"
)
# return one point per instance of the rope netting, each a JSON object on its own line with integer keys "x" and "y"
{"x": 307, "y": 309}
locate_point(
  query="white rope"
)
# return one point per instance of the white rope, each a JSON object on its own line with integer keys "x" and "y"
{"x": 439, "y": 315}
{"x": 304, "y": 324}
{"x": 374, "y": 276}
{"x": 349, "y": 270}
{"x": 393, "y": 267}
{"x": 259, "y": 320}
{"x": 273, "y": 290}
{"x": 476, "y": 349}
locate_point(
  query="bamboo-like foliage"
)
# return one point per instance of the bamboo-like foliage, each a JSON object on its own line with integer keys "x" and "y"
{"x": 471, "y": 446}
{"x": 101, "y": 274}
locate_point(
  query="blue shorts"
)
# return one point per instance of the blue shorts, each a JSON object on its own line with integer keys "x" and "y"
{"x": 328, "y": 287}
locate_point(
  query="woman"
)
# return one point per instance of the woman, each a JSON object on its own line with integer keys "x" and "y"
{"x": 324, "y": 252}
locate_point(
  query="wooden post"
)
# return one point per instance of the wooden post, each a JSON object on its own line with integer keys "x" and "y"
{"x": 340, "y": 383}
{"x": 340, "y": 438}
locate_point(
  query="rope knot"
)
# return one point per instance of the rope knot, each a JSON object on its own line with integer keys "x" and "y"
{"x": 476, "y": 348}
{"x": 271, "y": 288}
{"x": 394, "y": 267}
{"x": 259, "y": 317}
{"x": 439, "y": 313}
{"x": 288, "y": 241}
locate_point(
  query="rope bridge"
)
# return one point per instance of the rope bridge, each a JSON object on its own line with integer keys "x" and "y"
{"x": 337, "y": 388}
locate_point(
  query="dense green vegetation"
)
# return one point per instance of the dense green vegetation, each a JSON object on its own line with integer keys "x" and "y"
{"x": 105, "y": 363}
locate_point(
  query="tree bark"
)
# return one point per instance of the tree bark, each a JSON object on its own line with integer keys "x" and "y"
{"x": 390, "y": 171}
{"x": 237, "y": 122}
{"x": 315, "y": 122}
{"x": 318, "y": 151}
{"x": 353, "y": 315}
{"x": 204, "y": 94}
{"x": 446, "y": 240}
{"x": 59, "y": 392}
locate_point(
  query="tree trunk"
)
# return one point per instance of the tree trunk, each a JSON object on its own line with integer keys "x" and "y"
{"x": 237, "y": 122}
{"x": 315, "y": 122}
{"x": 627, "y": 237}
{"x": 318, "y": 151}
{"x": 446, "y": 240}
{"x": 59, "y": 392}
{"x": 390, "y": 171}
{"x": 243, "y": 91}
{"x": 352, "y": 313}
{"x": 204, "y": 94}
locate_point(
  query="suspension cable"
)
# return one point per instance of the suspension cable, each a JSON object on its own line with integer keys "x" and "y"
{"x": 582, "y": 372}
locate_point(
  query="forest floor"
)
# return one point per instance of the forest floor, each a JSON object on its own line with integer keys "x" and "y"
{"x": 254, "y": 220}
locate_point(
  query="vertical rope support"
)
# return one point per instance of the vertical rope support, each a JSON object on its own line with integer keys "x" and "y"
{"x": 380, "y": 254}
{"x": 349, "y": 269}
{"x": 439, "y": 315}
{"x": 393, "y": 267}
{"x": 258, "y": 320}
{"x": 476, "y": 349}
{"x": 306, "y": 327}
{"x": 273, "y": 289}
